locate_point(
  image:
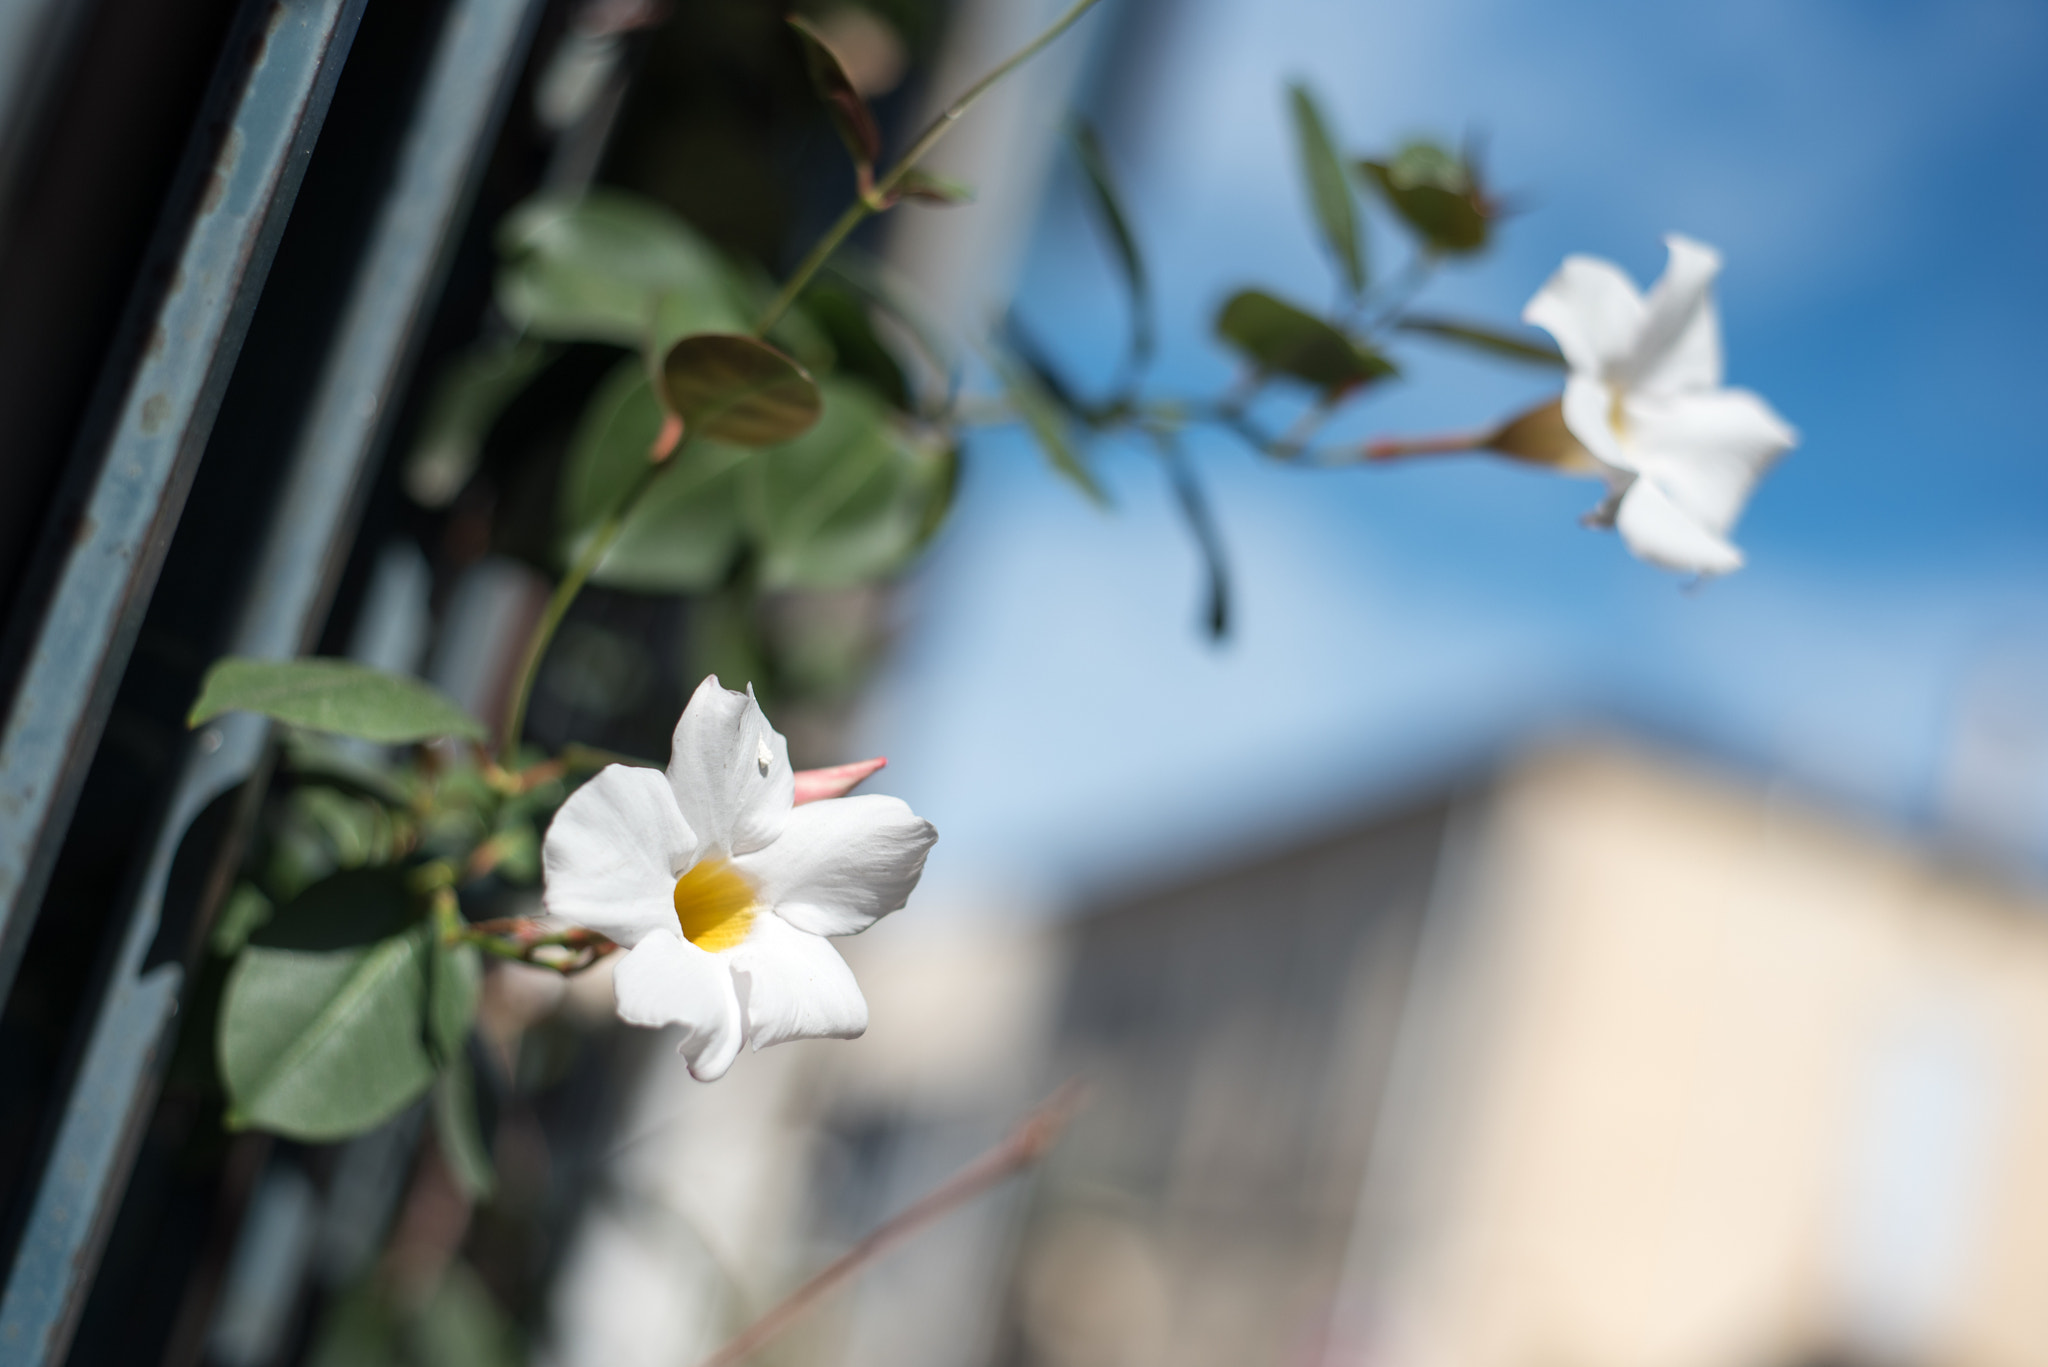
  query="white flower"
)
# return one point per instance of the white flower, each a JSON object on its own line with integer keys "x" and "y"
{"x": 1645, "y": 398}
{"x": 723, "y": 891}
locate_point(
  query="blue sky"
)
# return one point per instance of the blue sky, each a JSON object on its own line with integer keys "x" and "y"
{"x": 1872, "y": 173}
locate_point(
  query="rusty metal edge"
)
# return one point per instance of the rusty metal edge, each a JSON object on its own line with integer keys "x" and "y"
{"x": 279, "y": 77}
{"x": 476, "y": 62}
{"x": 163, "y": 416}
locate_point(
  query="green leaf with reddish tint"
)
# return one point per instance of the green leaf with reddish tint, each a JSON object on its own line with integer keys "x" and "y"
{"x": 851, "y": 117}
{"x": 733, "y": 388}
{"x": 1281, "y": 339}
{"x": 1438, "y": 196}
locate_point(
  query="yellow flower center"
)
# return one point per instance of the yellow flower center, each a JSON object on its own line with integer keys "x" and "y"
{"x": 714, "y": 905}
{"x": 1617, "y": 416}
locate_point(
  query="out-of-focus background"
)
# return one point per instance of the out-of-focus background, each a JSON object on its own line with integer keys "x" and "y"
{"x": 1494, "y": 953}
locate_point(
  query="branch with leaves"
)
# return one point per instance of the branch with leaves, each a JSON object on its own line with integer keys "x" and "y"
{"x": 754, "y": 437}
{"x": 747, "y": 423}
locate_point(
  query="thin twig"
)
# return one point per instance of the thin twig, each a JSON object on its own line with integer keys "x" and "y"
{"x": 881, "y": 196}
{"x": 585, "y": 565}
{"x": 1025, "y": 1146}
{"x": 1445, "y": 444}
{"x": 524, "y": 940}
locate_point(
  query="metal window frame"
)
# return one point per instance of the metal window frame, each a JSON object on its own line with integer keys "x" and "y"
{"x": 476, "y": 60}
{"x": 163, "y": 418}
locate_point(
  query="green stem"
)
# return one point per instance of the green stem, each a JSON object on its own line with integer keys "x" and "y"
{"x": 558, "y": 605}
{"x": 1401, "y": 291}
{"x": 877, "y": 199}
{"x": 873, "y": 202}
{"x": 818, "y": 255}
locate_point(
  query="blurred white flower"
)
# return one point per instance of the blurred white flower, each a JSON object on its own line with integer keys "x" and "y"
{"x": 722, "y": 890}
{"x": 1680, "y": 452}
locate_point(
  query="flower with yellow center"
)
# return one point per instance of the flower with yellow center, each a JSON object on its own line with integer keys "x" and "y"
{"x": 1680, "y": 452}
{"x": 722, "y": 879}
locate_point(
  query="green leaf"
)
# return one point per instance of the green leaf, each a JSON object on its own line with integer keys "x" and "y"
{"x": 1422, "y": 162}
{"x": 340, "y": 763}
{"x": 1281, "y": 339}
{"x": 944, "y": 488}
{"x": 845, "y": 319}
{"x": 809, "y": 345}
{"x": 1048, "y": 423}
{"x": 455, "y": 1125}
{"x": 732, "y": 388}
{"x": 1436, "y": 195}
{"x": 848, "y": 502}
{"x": 1109, "y": 207}
{"x": 1329, "y": 190}
{"x": 929, "y": 187}
{"x": 851, "y": 118}
{"x": 1023, "y": 347}
{"x": 1208, "y": 538}
{"x": 463, "y": 1327}
{"x": 467, "y": 400}
{"x": 321, "y": 1046}
{"x": 319, "y": 829}
{"x": 455, "y": 985}
{"x": 611, "y": 267}
{"x": 359, "y": 1328}
{"x": 683, "y": 534}
{"x": 518, "y": 847}
{"x": 450, "y": 1322}
{"x": 344, "y": 910}
{"x": 1534, "y": 347}
{"x": 889, "y": 295}
{"x": 245, "y": 910}
{"x": 340, "y": 696}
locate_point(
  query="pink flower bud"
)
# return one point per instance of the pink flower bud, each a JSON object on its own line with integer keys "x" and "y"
{"x": 837, "y": 781}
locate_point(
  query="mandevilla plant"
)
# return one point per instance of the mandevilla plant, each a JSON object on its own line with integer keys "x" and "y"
{"x": 791, "y": 436}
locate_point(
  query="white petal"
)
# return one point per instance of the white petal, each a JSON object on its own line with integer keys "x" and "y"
{"x": 612, "y": 854}
{"x": 794, "y": 985}
{"x": 730, "y": 770}
{"x": 668, "y": 981}
{"x": 1658, "y": 531}
{"x": 1588, "y": 408}
{"x": 842, "y": 863}
{"x": 1591, "y": 307}
{"x": 1679, "y": 348}
{"x": 1707, "y": 451}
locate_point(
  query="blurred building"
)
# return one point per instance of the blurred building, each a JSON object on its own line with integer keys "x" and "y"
{"x": 1604, "y": 1062}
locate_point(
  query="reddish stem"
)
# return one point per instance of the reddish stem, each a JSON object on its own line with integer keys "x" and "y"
{"x": 1442, "y": 444}
{"x": 517, "y": 937}
{"x": 1025, "y": 1146}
